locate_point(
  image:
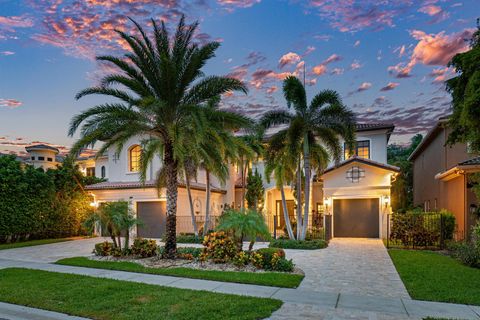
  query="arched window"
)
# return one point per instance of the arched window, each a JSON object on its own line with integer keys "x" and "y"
{"x": 103, "y": 172}
{"x": 134, "y": 158}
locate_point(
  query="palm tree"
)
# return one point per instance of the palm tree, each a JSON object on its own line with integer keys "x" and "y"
{"x": 189, "y": 170}
{"x": 253, "y": 142}
{"x": 161, "y": 88}
{"x": 281, "y": 164}
{"x": 219, "y": 147}
{"x": 316, "y": 126}
{"x": 244, "y": 224}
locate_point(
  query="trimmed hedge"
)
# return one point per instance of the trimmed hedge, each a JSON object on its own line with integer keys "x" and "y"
{"x": 188, "y": 238}
{"x": 298, "y": 244}
{"x": 36, "y": 205}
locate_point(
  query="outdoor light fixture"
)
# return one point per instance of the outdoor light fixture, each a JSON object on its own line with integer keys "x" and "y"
{"x": 327, "y": 202}
{"x": 386, "y": 200}
{"x": 93, "y": 204}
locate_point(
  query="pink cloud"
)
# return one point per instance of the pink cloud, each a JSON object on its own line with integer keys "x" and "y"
{"x": 337, "y": 71}
{"x": 364, "y": 86}
{"x": 309, "y": 50}
{"x": 333, "y": 58}
{"x": 7, "y": 53}
{"x": 16, "y": 22}
{"x": 272, "y": 89}
{"x": 319, "y": 69}
{"x": 10, "y": 103}
{"x": 436, "y": 12}
{"x": 355, "y": 65}
{"x": 390, "y": 86}
{"x": 433, "y": 50}
{"x": 352, "y": 16}
{"x": 357, "y": 43}
{"x": 288, "y": 58}
{"x": 237, "y": 3}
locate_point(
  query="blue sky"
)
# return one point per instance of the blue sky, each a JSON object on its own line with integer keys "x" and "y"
{"x": 387, "y": 59}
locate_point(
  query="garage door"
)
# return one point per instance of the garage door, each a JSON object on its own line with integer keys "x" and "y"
{"x": 153, "y": 218}
{"x": 357, "y": 218}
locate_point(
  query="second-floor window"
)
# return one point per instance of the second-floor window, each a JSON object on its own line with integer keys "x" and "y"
{"x": 103, "y": 172}
{"x": 362, "y": 150}
{"x": 90, "y": 172}
{"x": 134, "y": 158}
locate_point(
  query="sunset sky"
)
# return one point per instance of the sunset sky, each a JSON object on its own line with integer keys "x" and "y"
{"x": 387, "y": 58}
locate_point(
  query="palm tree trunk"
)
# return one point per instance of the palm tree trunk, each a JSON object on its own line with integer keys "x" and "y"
{"x": 242, "y": 176}
{"x": 172, "y": 194}
{"x": 285, "y": 214}
{"x": 207, "y": 204}
{"x": 306, "y": 166}
{"x": 299, "y": 200}
{"x": 190, "y": 200}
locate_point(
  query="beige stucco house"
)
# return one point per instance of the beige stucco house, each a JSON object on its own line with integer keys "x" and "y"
{"x": 354, "y": 192}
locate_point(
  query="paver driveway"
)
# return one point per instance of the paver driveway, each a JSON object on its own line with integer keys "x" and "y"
{"x": 52, "y": 252}
{"x": 352, "y": 266}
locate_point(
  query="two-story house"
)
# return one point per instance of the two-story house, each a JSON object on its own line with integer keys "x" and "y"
{"x": 440, "y": 177}
{"x": 355, "y": 192}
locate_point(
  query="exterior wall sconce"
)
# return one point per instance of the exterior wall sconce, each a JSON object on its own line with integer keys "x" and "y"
{"x": 327, "y": 202}
{"x": 386, "y": 201}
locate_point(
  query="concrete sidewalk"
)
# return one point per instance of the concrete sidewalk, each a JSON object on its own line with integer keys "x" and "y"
{"x": 321, "y": 302}
{"x": 15, "y": 312}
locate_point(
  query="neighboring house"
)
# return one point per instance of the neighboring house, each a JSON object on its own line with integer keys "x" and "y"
{"x": 43, "y": 156}
{"x": 356, "y": 192}
{"x": 440, "y": 177}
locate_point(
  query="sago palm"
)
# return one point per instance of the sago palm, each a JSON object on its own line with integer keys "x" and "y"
{"x": 161, "y": 89}
{"x": 316, "y": 126}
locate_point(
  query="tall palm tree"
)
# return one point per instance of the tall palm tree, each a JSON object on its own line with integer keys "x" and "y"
{"x": 219, "y": 147}
{"x": 161, "y": 86}
{"x": 253, "y": 141}
{"x": 317, "y": 126}
{"x": 281, "y": 164}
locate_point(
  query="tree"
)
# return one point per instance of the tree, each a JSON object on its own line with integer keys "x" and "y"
{"x": 252, "y": 151}
{"x": 465, "y": 90}
{"x": 255, "y": 190}
{"x": 162, "y": 91}
{"x": 318, "y": 126}
{"x": 244, "y": 224}
{"x": 402, "y": 187}
{"x": 279, "y": 163}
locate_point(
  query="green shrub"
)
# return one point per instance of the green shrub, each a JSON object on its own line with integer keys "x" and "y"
{"x": 35, "y": 204}
{"x": 476, "y": 235}
{"x": 103, "y": 249}
{"x": 189, "y": 253}
{"x": 189, "y": 238}
{"x": 268, "y": 255}
{"x": 448, "y": 224}
{"x": 282, "y": 264}
{"x": 218, "y": 247}
{"x": 468, "y": 254}
{"x": 144, "y": 248}
{"x": 256, "y": 259}
{"x": 241, "y": 259}
{"x": 298, "y": 244}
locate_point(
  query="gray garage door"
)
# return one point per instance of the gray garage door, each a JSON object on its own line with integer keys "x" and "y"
{"x": 152, "y": 216}
{"x": 357, "y": 218}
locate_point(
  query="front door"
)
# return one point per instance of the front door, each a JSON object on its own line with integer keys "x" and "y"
{"x": 279, "y": 213}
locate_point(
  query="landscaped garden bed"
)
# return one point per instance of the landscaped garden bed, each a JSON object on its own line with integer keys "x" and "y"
{"x": 298, "y": 244}
{"x": 97, "y": 298}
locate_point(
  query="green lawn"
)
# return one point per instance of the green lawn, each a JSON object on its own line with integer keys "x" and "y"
{"x": 35, "y": 243}
{"x": 112, "y": 299}
{"x": 274, "y": 279}
{"x": 431, "y": 276}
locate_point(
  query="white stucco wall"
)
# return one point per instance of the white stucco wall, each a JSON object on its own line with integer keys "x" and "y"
{"x": 45, "y": 164}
